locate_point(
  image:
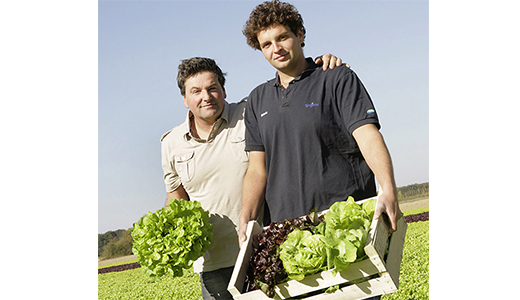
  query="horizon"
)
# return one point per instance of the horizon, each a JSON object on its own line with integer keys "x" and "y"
{"x": 112, "y": 230}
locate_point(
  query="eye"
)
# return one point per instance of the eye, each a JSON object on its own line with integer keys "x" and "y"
{"x": 265, "y": 46}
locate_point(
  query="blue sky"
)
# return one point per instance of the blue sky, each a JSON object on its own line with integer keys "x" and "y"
{"x": 141, "y": 44}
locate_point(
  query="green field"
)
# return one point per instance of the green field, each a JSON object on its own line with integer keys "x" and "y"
{"x": 134, "y": 284}
{"x": 414, "y": 277}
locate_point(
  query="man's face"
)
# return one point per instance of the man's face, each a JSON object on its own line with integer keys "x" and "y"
{"x": 204, "y": 96}
{"x": 281, "y": 47}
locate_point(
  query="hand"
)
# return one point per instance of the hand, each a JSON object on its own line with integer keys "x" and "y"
{"x": 242, "y": 237}
{"x": 329, "y": 61}
{"x": 387, "y": 203}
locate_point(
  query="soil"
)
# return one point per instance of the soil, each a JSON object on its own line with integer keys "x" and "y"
{"x": 414, "y": 203}
{"x": 115, "y": 260}
{"x": 119, "y": 268}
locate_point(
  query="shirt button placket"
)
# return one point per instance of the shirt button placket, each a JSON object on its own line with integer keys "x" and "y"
{"x": 285, "y": 98}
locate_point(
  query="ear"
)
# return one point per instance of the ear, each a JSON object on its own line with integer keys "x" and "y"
{"x": 301, "y": 36}
{"x": 185, "y": 102}
{"x": 225, "y": 95}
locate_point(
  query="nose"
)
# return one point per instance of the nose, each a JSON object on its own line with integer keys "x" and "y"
{"x": 206, "y": 95}
{"x": 276, "y": 47}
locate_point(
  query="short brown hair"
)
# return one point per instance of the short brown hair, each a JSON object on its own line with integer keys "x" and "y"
{"x": 272, "y": 13}
{"x": 192, "y": 66}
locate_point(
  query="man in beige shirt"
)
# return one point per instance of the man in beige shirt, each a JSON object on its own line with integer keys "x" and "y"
{"x": 203, "y": 159}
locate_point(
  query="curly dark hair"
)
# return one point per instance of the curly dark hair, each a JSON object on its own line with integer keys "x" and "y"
{"x": 192, "y": 66}
{"x": 272, "y": 13}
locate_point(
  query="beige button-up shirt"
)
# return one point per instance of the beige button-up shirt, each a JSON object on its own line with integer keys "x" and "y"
{"x": 212, "y": 172}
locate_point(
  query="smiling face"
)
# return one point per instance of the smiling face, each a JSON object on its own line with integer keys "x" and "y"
{"x": 204, "y": 96}
{"x": 282, "y": 48}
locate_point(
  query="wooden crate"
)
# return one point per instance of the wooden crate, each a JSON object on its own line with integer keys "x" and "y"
{"x": 370, "y": 277}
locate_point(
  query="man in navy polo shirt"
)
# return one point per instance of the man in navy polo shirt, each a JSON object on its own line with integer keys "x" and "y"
{"x": 313, "y": 137}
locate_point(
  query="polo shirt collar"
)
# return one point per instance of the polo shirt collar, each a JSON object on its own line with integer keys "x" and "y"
{"x": 310, "y": 68}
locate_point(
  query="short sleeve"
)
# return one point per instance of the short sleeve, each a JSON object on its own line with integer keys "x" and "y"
{"x": 356, "y": 106}
{"x": 172, "y": 180}
{"x": 253, "y": 137}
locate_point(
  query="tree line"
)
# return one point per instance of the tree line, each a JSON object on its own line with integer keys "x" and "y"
{"x": 119, "y": 243}
{"x": 413, "y": 191}
{"x": 115, "y": 243}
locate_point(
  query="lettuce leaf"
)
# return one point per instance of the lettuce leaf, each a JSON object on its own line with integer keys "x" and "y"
{"x": 171, "y": 239}
{"x": 369, "y": 207}
{"x": 303, "y": 253}
{"x": 343, "y": 214}
{"x": 341, "y": 250}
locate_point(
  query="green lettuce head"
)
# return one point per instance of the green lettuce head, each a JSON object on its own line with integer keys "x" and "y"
{"x": 344, "y": 214}
{"x": 171, "y": 239}
{"x": 302, "y": 254}
{"x": 346, "y": 231}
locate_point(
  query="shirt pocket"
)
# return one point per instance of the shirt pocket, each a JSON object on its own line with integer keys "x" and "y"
{"x": 185, "y": 166}
{"x": 238, "y": 145}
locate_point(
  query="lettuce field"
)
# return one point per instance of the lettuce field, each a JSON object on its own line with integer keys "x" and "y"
{"x": 135, "y": 284}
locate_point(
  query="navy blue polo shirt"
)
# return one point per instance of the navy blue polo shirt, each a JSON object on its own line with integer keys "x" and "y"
{"x": 312, "y": 159}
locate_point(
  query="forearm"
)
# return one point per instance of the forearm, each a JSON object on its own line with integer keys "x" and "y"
{"x": 377, "y": 156}
{"x": 253, "y": 192}
{"x": 179, "y": 193}
{"x": 380, "y": 162}
{"x": 375, "y": 152}
{"x": 252, "y": 195}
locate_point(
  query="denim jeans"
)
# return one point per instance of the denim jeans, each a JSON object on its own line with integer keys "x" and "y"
{"x": 214, "y": 284}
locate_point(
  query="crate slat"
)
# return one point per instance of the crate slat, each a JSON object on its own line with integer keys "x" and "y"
{"x": 376, "y": 243}
{"x": 325, "y": 279}
{"x": 395, "y": 251}
{"x": 236, "y": 283}
{"x": 376, "y": 286}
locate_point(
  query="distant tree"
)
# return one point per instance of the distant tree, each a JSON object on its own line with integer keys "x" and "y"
{"x": 117, "y": 248}
{"x": 415, "y": 190}
{"x": 112, "y": 237}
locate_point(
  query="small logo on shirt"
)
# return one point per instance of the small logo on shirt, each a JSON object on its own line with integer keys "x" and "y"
{"x": 371, "y": 111}
{"x": 312, "y": 105}
{"x": 263, "y": 114}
